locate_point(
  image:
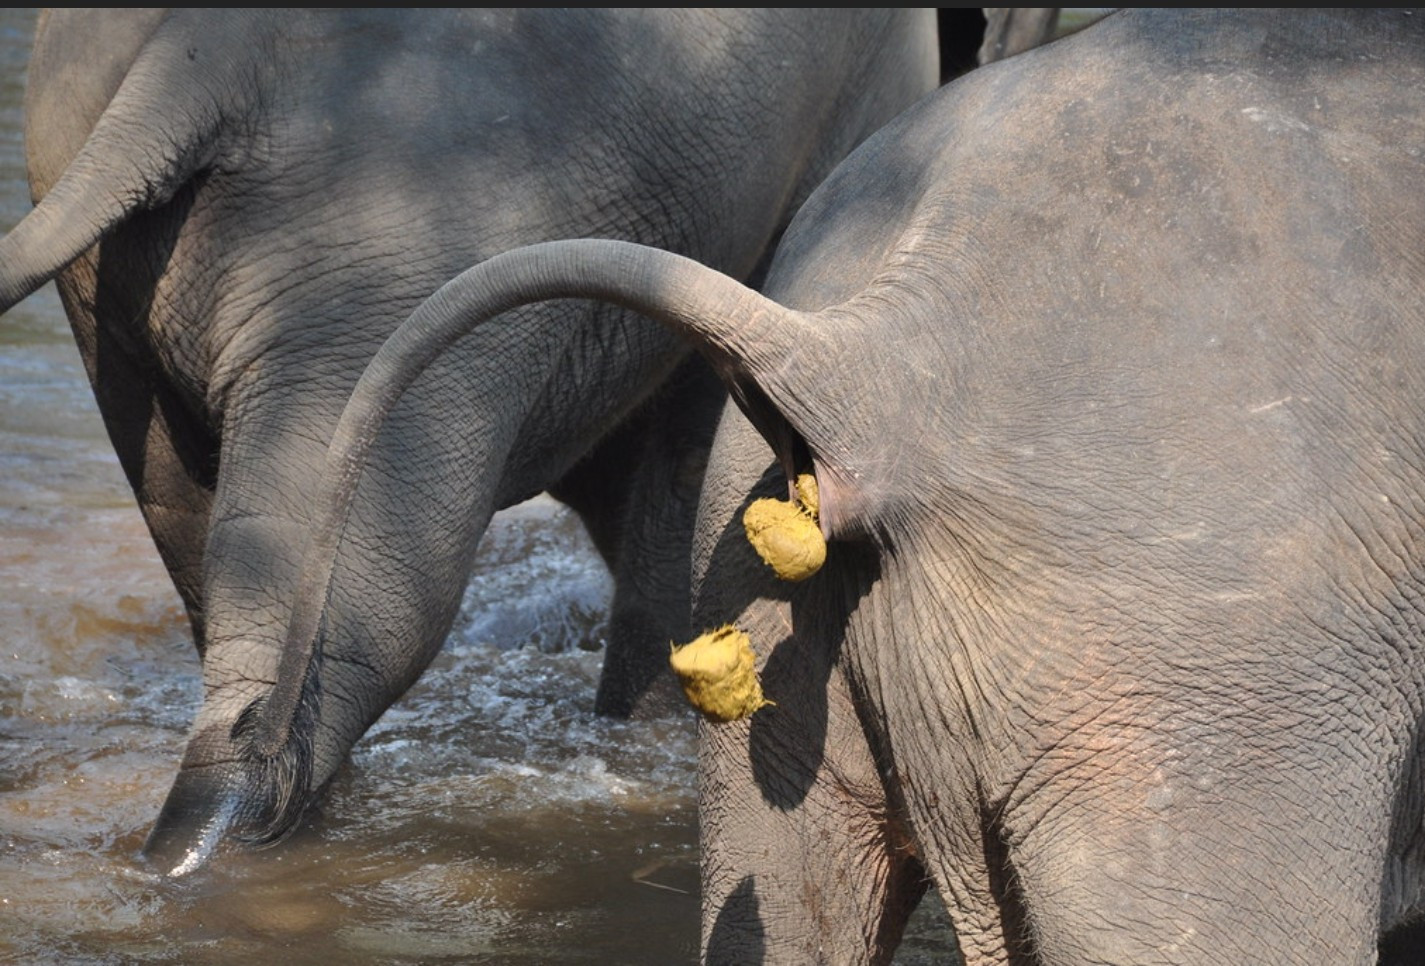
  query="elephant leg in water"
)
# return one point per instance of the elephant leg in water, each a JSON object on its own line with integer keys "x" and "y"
{"x": 239, "y": 206}
{"x": 1118, "y": 633}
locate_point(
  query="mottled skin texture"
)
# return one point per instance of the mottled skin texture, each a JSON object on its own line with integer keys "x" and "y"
{"x": 1120, "y": 632}
{"x": 271, "y": 192}
{"x": 1107, "y": 360}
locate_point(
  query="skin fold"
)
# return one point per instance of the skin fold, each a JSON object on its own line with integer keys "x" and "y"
{"x": 239, "y": 206}
{"x": 1106, "y": 360}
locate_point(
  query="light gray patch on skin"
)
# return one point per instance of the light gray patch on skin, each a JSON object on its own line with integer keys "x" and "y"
{"x": 1274, "y": 121}
{"x": 1160, "y": 798}
{"x": 1271, "y": 405}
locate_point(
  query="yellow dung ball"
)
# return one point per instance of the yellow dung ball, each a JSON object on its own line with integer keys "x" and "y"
{"x": 787, "y": 536}
{"x": 808, "y": 495}
{"x": 719, "y": 675}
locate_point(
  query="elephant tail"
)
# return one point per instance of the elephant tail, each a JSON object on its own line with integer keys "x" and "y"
{"x": 160, "y": 129}
{"x": 737, "y": 330}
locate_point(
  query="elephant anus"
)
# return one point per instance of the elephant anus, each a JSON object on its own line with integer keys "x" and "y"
{"x": 1107, "y": 362}
{"x": 239, "y": 206}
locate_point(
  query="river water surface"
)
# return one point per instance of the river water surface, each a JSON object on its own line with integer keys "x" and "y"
{"x": 489, "y": 817}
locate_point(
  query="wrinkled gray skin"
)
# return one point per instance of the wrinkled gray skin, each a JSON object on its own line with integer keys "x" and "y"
{"x": 239, "y": 206}
{"x": 1108, "y": 361}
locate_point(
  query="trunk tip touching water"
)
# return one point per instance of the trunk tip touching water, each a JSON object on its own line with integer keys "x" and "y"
{"x": 193, "y": 822}
{"x": 226, "y": 790}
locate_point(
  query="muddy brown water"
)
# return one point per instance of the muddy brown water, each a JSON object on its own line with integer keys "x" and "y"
{"x": 488, "y": 817}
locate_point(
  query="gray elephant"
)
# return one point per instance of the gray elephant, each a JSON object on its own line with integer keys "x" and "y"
{"x": 1106, "y": 362}
{"x": 240, "y": 205}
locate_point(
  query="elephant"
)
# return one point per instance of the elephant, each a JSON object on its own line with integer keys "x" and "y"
{"x": 1105, "y": 363}
{"x": 238, "y": 206}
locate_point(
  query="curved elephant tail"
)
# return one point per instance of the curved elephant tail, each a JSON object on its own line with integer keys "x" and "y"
{"x": 160, "y": 129}
{"x": 738, "y": 330}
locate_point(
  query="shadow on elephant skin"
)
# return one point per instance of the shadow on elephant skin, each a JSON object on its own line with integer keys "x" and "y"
{"x": 1405, "y": 944}
{"x": 740, "y": 917}
{"x": 787, "y": 741}
{"x": 168, "y": 452}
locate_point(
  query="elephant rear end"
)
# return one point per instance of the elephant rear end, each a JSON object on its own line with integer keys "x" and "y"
{"x": 239, "y": 206}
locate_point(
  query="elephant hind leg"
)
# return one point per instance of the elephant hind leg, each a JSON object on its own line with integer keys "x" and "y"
{"x": 167, "y": 451}
{"x": 1103, "y": 884}
{"x": 965, "y": 846}
{"x": 804, "y": 857}
{"x": 817, "y": 884}
{"x": 750, "y": 922}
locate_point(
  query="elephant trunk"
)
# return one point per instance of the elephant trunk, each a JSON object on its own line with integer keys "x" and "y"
{"x": 253, "y": 801}
{"x": 736, "y": 329}
{"x": 392, "y": 594}
{"x": 221, "y": 793}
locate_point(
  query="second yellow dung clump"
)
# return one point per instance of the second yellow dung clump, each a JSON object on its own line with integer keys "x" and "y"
{"x": 719, "y": 675}
{"x": 787, "y": 536}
